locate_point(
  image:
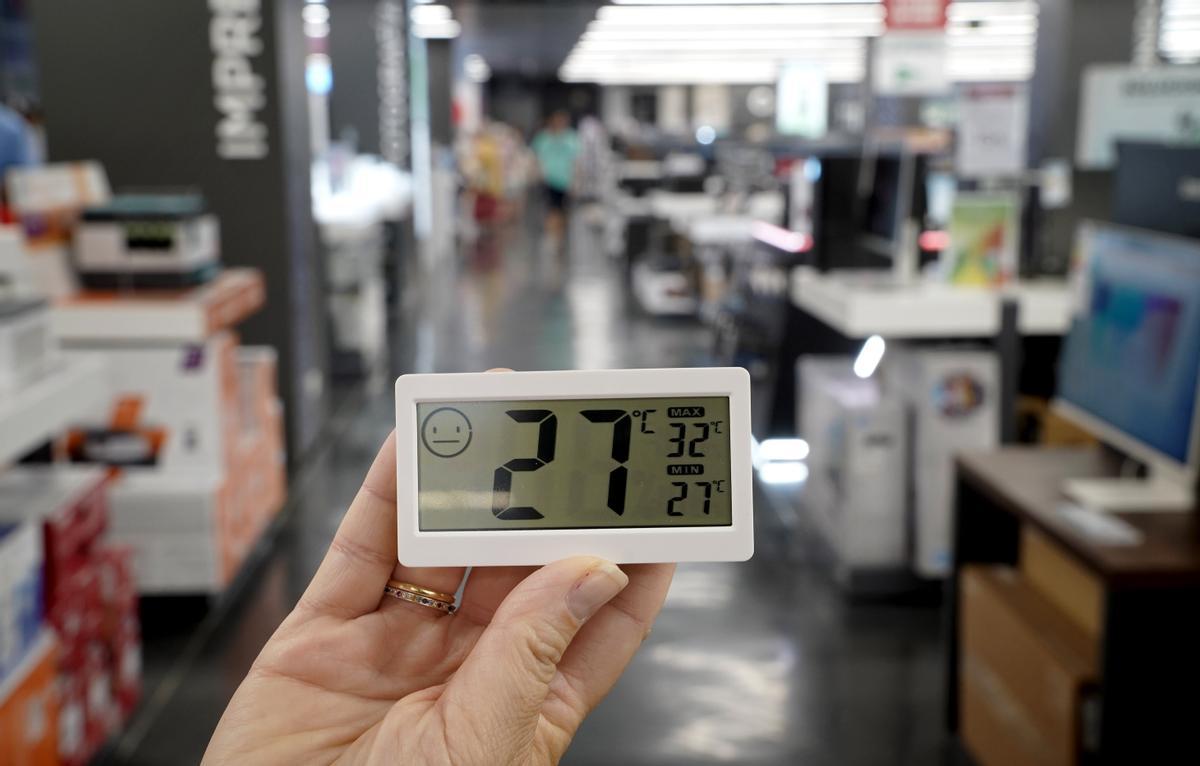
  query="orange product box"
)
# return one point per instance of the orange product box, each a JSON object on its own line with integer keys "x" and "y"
{"x": 29, "y": 709}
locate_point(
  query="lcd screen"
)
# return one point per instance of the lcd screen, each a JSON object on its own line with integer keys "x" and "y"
{"x": 574, "y": 464}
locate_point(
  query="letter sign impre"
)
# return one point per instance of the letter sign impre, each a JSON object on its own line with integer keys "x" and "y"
{"x": 239, "y": 93}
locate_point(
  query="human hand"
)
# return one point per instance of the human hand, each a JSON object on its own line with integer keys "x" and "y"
{"x": 356, "y": 676}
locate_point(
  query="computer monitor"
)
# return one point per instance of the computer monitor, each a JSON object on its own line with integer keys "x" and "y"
{"x": 1129, "y": 370}
{"x": 883, "y": 200}
{"x": 835, "y": 213}
{"x": 1157, "y": 187}
{"x": 891, "y": 191}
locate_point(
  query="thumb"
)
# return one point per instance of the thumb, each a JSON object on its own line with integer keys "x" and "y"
{"x": 503, "y": 683}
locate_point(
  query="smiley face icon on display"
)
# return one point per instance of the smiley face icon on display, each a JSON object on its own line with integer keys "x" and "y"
{"x": 446, "y": 432}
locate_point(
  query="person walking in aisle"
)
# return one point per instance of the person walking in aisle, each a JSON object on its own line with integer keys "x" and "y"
{"x": 557, "y": 148}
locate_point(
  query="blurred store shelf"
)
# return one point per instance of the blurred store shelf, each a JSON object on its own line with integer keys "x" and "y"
{"x": 41, "y": 410}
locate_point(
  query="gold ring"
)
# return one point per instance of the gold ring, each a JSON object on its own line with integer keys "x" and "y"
{"x": 417, "y": 590}
{"x": 441, "y": 604}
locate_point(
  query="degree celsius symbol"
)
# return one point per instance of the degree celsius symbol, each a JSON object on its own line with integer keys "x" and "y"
{"x": 644, "y": 414}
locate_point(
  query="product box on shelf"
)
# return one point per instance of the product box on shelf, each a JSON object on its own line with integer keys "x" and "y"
{"x": 47, "y": 201}
{"x": 17, "y": 277}
{"x": 114, "y": 317}
{"x": 94, "y": 613}
{"x": 88, "y": 600}
{"x": 101, "y": 711}
{"x": 29, "y": 708}
{"x": 75, "y": 608}
{"x": 953, "y": 396}
{"x": 191, "y": 531}
{"x": 174, "y": 407}
{"x": 70, "y": 503}
{"x": 191, "y": 519}
{"x": 73, "y": 746}
{"x": 126, "y": 650}
{"x": 26, "y": 349}
{"x": 857, "y": 466}
{"x": 170, "y": 521}
{"x": 21, "y": 610}
{"x": 147, "y": 241}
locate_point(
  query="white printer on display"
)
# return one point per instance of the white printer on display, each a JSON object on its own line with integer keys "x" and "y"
{"x": 147, "y": 241}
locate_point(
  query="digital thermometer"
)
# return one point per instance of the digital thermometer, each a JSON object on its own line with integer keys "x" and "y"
{"x": 530, "y": 467}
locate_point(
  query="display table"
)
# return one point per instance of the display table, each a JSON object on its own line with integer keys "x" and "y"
{"x": 859, "y": 304}
{"x": 1133, "y": 603}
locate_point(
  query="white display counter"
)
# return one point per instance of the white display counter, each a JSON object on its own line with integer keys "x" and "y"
{"x": 860, "y": 304}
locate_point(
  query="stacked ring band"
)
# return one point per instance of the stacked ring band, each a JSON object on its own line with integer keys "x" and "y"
{"x": 414, "y": 594}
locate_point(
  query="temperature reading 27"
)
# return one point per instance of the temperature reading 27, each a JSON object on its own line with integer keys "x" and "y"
{"x": 708, "y": 487}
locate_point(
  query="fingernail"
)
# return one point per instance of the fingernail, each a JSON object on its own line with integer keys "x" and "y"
{"x": 595, "y": 589}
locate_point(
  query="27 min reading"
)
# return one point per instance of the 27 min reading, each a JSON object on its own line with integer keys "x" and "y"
{"x": 574, "y": 464}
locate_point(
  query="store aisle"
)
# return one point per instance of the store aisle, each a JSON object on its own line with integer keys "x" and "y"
{"x": 759, "y": 663}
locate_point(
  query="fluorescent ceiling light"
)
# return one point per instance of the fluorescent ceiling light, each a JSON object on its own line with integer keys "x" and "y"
{"x": 991, "y": 10}
{"x": 674, "y": 41}
{"x": 1179, "y": 31}
{"x": 716, "y": 33}
{"x": 653, "y": 49}
{"x": 446, "y": 30}
{"x": 431, "y": 14}
{"x": 753, "y": 15}
{"x": 869, "y": 357}
{"x": 783, "y": 473}
{"x": 782, "y": 449}
{"x": 315, "y": 14}
{"x": 745, "y": 2}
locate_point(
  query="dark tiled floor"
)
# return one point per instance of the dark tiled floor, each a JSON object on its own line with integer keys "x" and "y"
{"x": 758, "y": 663}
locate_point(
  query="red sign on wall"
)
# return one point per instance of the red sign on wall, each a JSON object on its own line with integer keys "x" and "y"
{"x": 916, "y": 14}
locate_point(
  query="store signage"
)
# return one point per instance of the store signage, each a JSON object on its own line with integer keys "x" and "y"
{"x": 910, "y": 15}
{"x": 992, "y": 128}
{"x": 910, "y": 64}
{"x": 239, "y": 92}
{"x": 1136, "y": 103}
{"x": 392, "y": 81}
{"x": 802, "y": 102}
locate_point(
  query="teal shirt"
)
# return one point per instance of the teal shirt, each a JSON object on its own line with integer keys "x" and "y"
{"x": 557, "y": 152}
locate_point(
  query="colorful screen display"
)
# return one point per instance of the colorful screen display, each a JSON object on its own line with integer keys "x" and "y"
{"x": 574, "y": 464}
{"x": 1133, "y": 355}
